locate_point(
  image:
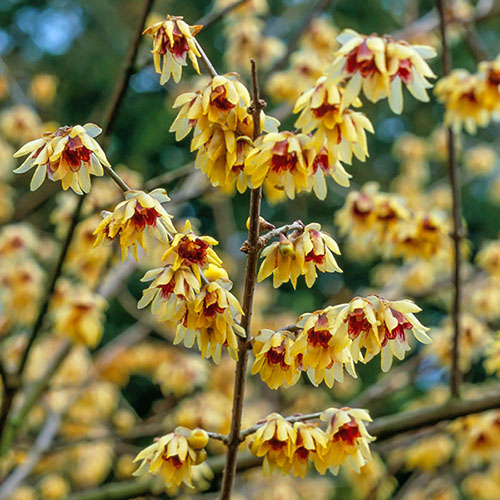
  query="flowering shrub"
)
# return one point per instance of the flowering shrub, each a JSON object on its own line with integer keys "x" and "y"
{"x": 292, "y": 344}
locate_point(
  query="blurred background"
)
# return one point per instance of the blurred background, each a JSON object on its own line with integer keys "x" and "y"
{"x": 59, "y": 61}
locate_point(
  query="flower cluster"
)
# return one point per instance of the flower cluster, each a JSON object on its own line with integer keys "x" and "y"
{"x": 223, "y": 128}
{"x": 289, "y": 448}
{"x": 383, "y": 221}
{"x": 302, "y": 253}
{"x": 173, "y": 40}
{"x": 173, "y": 456}
{"x": 137, "y": 221}
{"x": 326, "y": 342}
{"x": 191, "y": 291}
{"x": 69, "y": 155}
{"x": 379, "y": 66}
{"x": 471, "y": 100}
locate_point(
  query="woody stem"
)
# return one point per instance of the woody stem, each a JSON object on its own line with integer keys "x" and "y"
{"x": 457, "y": 233}
{"x": 235, "y": 437}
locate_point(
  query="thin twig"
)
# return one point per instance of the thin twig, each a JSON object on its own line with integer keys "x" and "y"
{"x": 235, "y": 438}
{"x": 205, "y": 60}
{"x": 457, "y": 233}
{"x": 214, "y": 17}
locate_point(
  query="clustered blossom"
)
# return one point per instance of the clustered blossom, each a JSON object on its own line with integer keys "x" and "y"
{"x": 302, "y": 253}
{"x": 326, "y": 342}
{"x": 471, "y": 99}
{"x": 173, "y": 40}
{"x": 289, "y": 448}
{"x": 137, "y": 221}
{"x": 191, "y": 292}
{"x": 383, "y": 221}
{"x": 379, "y": 66}
{"x": 69, "y": 155}
{"x": 223, "y": 128}
{"x": 80, "y": 316}
{"x": 173, "y": 456}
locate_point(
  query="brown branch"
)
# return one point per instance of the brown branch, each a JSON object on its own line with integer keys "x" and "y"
{"x": 457, "y": 233}
{"x": 205, "y": 60}
{"x": 274, "y": 233}
{"x": 235, "y": 438}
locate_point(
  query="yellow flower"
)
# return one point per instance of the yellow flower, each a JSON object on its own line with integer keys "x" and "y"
{"x": 302, "y": 254}
{"x": 70, "y": 155}
{"x": 225, "y": 100}
{"x": 275, "y": 441}
{"x": 174, "y": 40}
{"x": 480, "y": 160}
{"x": 210, "y": 320}
{"x": 274, "y": 361}
{"x": 464, "y": 100}
{"x": 196, "y": 252}
{"x": 379, "y": 66}
{"x": 309, "y": 442}
{"x": 339, "y": 129}
{"x": 475, "y": 338}
{"x": 54, "y": 487}
{"x": 395, "y": 319}
{"x": 20, "y": 124}
{"x": 81, "y": 317}
{"x": 347, "y": 439}
{"x": 322, "y": 350}
{"x": 138, "y": 220}
{"x": 488, "y": 258}
{"x": 169, "y": 292}
{"x": 283, "y": 159}
{"x": 43, "y": 88}
{"x": 173, "y": 456}
{"x": 221, "y": 157}
{"x": 428, "y": 454}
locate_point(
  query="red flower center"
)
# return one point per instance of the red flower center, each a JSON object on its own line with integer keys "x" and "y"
{"x": 313, "y": 257}
{"x": 193, "y": 251}
{"x": 319, "y": 338}
{"x": 179, "y": 48}
{"x": 404, "y": 71}
{"x": 219, "y": 99}
{"x": 357, "y": 323}
{"x": 361, "y": 59}
{"x": 144, "y": 217}
{"x": 321, "y": 161}
{"x": 399, "y": 330}
{"x": 174, "y": 460}
{"x": 75, "y": 153}
{"x": 276, "y": 356}
{"x": 282, "y": 160}
{"x": 167, "y": 290}
{"x": 348, "y": 433}
{"x": 302, "y": 453}
{"x": 324, "y": 109}
{"x": 276, "y": 444}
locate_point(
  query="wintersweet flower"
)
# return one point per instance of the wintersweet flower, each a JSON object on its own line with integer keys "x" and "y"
{"x": 169, "y": 292}
{"x": 303, "y": 253}
{"x": 221, "y": 157}
{"x": 196, "y": 252}
{"x": 488, "y": 258}
{"x": 274, "y": 361}
{"x": 81, "y": 317}
{"x": 173, "y": 456}
{"x": 275, "y": 441}
{"x": 347, "y": 439}
{"x": 341, "y": 130}
{"x": 489, "y": 72}
{"x": 173, "y": 40}
{"x": 464, "y": 99}
{"x": 70, "y": 155}
{"x": 137, "y": 221}
{"x": 379, "y": 66}
{"x": 224, "y": 100}
{"x": 358, "y": 321}
{"x": 211, "y": 321}
{"x": 395, "y": 319}
{"x": 310, "y": 442}
{"x": 322, "y": 349}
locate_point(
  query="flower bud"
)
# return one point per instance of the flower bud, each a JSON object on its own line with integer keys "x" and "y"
{"x": 198, "y": 439}
{"x": 286, "y": 247}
